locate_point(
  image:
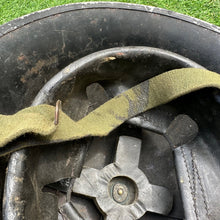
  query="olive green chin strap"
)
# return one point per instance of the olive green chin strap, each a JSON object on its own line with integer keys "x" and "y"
{"x": 161, "y": 89}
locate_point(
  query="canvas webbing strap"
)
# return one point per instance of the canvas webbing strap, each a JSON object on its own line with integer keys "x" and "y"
{"x": 161, "y": 89}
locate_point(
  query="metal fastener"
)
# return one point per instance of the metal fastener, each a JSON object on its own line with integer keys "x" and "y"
{"x": 120, "y": 193}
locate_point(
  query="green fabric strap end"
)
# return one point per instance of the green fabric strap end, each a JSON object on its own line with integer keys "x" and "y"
{"x": 151, "y": 93}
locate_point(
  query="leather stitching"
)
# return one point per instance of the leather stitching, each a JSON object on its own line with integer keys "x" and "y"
{"x": 190, "y": 183}
{"x": 194, "y": 183}
{"x": 196, "y": 171}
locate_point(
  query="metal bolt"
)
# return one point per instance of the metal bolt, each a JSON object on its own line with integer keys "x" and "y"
{"x": 120, "y": 192}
